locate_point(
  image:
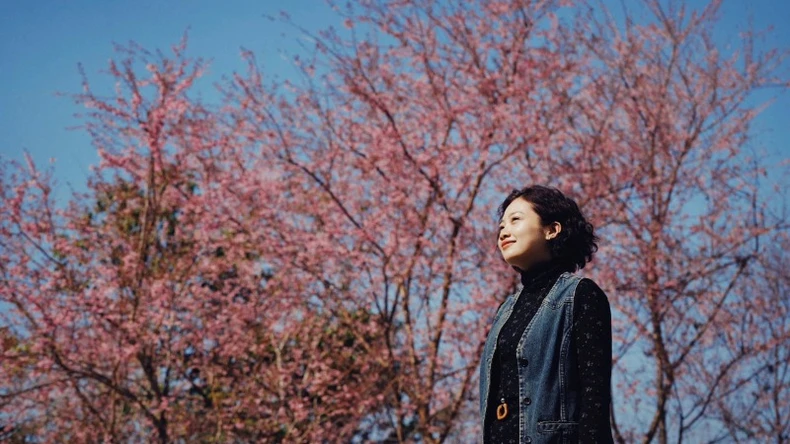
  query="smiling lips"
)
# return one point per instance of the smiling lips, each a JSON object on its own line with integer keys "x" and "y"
{"x": 507, "y": 243}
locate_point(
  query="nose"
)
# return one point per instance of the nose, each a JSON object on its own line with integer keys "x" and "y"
{"x": 503, "y": 235}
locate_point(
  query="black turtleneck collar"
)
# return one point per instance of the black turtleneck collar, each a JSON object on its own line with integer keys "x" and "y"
{"x": 540, "y": 272}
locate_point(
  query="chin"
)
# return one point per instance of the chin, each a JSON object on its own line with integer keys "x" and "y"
{"x": 512, "y": 263}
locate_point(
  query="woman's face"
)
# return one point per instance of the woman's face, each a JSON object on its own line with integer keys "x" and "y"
{"x": 523, "y": 239}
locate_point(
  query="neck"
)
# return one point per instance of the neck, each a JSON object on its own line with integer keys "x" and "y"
{"x": 538, "y": 270}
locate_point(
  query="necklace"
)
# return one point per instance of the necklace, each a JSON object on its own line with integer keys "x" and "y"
{"x": 501, "y": 410}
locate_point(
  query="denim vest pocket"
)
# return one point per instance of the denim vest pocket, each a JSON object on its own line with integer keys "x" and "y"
{"x": 557, "y": 426}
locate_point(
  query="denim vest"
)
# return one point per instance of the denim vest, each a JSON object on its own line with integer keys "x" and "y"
{"x": 547, "y": 405}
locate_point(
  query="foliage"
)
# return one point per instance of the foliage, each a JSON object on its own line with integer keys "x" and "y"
{"x": 315, "y": 261}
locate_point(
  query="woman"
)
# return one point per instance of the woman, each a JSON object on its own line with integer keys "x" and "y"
{"x": 546, "y": 367}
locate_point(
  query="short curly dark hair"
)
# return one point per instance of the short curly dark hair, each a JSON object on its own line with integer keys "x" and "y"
{"x": 575, "y": 245}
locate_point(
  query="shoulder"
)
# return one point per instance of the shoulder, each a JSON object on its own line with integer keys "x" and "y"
{"x": 587, "y": 285}
{"x": 588, "y": 292}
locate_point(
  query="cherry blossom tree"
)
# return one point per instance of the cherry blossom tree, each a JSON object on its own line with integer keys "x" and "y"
{"x": 151, "y": 308}
{"x": 314, "y": 260}
{"x": 752, "y": 404}
{"x": 661, "y": 136}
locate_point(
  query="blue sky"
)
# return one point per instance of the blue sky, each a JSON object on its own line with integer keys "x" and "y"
{"x": 42, "y": 41}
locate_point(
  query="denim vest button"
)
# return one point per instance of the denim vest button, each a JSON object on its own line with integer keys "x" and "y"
{"x": 527, "y": 401}
{"x": 528, "y": 439}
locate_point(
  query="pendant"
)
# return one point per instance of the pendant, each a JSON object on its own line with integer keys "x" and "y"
{"x": 501, "y": 410}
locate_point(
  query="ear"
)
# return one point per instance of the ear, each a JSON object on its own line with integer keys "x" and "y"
{"x": 553, "y": 230}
